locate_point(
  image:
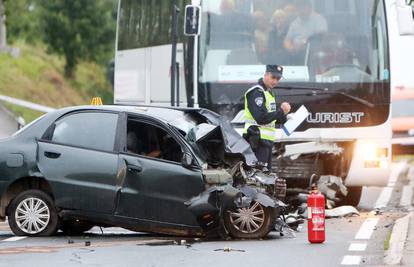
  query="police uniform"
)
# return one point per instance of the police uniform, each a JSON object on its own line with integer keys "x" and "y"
{"x": 261, "y": 115}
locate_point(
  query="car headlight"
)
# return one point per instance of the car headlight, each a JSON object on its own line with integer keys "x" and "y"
{"x": 374, "y": 156}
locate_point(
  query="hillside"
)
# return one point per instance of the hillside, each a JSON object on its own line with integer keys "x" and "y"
{"x": 37, "y": 76}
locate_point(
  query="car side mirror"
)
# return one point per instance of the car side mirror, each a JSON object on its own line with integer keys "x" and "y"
{"x": 187, "y": 160}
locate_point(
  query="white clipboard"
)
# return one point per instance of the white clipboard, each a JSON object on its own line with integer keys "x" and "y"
{"x": 295, "y": 120}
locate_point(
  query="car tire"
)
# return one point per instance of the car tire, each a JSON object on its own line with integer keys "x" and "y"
{"x": 75, "y": 227}
{"x": 249, "y": 223}
{"x": 353, "y": 197}
{"x": 33, "y": 213}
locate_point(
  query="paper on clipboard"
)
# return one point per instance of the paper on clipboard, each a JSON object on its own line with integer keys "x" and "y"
{"x": 296, "y": 119}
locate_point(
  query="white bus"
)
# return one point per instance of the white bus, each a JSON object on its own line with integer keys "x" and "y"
{"x": 339, "y": 69}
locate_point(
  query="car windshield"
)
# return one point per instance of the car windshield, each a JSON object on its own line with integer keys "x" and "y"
{"x": 403, "y": 108}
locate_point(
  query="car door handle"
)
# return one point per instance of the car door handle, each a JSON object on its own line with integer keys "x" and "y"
{"x": 133, "y": 167}
{"x": 52, "y": 155}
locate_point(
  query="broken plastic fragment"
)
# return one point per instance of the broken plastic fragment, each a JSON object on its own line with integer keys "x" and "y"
{"x": 342, "y": 211}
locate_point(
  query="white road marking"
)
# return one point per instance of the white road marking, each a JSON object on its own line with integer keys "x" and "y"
{"x": 14, "y": 238}
{"x": 367, "y": 228}
{"x": 357, "y": 247}
{"x": 351, "y": 260}
{"x": 406, "y": 196}
{"x": 410, "y": 175}
{"x": 384, "y": 198}
{"x": 399, "y": 233}
{"x": 386, "y": 193}
{"x": 395, "y": 172}
{"x": 111, "y": 231}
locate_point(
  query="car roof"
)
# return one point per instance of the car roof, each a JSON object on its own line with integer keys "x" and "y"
{"x": 166, "y": 114}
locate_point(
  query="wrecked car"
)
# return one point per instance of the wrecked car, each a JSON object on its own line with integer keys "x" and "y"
{"x": 162, "y": 170}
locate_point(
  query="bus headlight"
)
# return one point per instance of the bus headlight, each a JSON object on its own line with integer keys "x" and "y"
{"x": 374, "y": 156}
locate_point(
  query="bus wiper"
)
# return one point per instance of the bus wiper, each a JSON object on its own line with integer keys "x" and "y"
{"x": 325, "y": 91}
{"x": 357, "y": 99}
{"x": 302, "y": 88}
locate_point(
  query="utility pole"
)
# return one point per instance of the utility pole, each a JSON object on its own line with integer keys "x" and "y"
{"x": 174, "y": 36}
{"x": 3, "y": 42}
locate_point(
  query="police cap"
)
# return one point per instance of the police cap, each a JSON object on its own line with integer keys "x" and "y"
{"x": 276, "y": 70}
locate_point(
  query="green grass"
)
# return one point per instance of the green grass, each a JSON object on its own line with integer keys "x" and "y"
{"x": 387, "y": 242}
{"x": 37, "y": 76}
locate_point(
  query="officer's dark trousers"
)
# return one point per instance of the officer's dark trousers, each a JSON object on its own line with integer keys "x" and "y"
{"x": 264, "y": 153}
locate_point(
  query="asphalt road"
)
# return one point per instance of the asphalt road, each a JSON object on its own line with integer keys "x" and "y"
{"x": 367, "y": 234}
{"x": 7, "y": 124}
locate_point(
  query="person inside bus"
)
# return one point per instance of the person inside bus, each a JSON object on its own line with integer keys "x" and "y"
{"x": 261, "y": 36}
{"x": 279, "y": 27}
{"x": 307, "y": 23}
{"x": 261, "y": 115}
{"x": 230, "y": 28}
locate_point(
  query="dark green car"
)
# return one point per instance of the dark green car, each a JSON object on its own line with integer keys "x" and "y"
{"x": 174, "y": 171}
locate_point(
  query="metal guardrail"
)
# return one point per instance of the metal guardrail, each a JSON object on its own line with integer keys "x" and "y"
{"x": 9, "y": 122}
{"x": 26, "y": 104}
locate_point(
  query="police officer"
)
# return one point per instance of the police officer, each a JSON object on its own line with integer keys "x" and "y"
{"x": 261, "y": 115}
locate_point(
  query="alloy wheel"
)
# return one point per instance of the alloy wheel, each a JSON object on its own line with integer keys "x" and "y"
{"x": 32, "y": 215}
{"x": 248, "y": 220}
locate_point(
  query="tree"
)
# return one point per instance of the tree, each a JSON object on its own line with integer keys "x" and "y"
{"x": 81, "y": 29}
{"x": 23, "y": 20}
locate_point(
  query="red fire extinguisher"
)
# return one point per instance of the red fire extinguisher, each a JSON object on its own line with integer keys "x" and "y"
{"x": 316, "y": 217}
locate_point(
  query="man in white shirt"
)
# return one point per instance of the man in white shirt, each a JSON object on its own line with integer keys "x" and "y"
{"x": 304, "y": 26}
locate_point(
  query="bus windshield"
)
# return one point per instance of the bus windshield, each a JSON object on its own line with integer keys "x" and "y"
{"x": 317, "y": 41}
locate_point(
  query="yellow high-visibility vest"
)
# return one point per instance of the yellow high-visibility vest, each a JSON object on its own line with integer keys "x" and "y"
{"x": 267, "y": 131}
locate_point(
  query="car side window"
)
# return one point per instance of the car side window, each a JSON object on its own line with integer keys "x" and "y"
{"x": 152, "y": 141}
{"x": 91, "y": 130}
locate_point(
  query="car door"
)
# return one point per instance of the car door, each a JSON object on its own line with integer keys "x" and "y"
{"x": 78, "y": 157}
{"x": 155, "y": 188}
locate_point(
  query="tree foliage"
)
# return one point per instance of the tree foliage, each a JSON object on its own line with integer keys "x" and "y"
{"x": 79, "y": 30}
{"x": 147, "y": 22}
{"x": 23, "y": 20}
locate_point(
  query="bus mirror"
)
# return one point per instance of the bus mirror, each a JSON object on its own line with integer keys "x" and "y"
{"x": 405, "y": 18}
{"x": 192, "y": 20}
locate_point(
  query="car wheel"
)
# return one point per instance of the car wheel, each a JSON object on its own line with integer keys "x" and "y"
{"x": 353, "y": 197}
{"x": 253, "y": 222}
{"x": 75, "y": 227}
{"x": 33, "y": 213}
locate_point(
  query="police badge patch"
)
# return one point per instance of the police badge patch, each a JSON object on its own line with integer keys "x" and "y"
{"x": 259, "y": 101}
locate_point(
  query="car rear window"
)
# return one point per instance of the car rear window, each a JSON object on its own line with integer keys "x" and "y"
{"x": 90, "y": 130}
